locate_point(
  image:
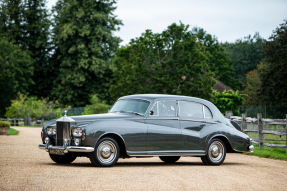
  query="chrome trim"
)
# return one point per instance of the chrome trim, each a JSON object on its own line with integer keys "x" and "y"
{"x": 155, "y": 102}
{"x": 193, "y": 120}
{"x": 209, "y": 111}
{"x": 107, "y": 152}
{"x": 211, "y": 122}
{"x": 135, "y": 98}
{"x": 251, "y": 148}
{"x": 69, "y": 148}
{"x": 178, "y": 154}
{"x": 176, "y": 118}
{"x": 216, "y": 151}
{"x": 203, "y": 111}
{"x": 167, "y": 153}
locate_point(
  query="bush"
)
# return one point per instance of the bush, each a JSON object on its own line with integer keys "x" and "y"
{"x": 4, "y": 124}
{"x": 228, "y": 101}
{"x": 25, "y": 106}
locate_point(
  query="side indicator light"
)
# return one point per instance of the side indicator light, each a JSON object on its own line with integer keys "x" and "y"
{"x": 41, "y": 134}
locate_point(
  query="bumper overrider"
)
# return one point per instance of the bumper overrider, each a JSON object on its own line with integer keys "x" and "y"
{"x": 250, "y": 148}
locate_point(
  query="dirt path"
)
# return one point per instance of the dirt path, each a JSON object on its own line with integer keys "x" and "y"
{"x": 25, "y": 167}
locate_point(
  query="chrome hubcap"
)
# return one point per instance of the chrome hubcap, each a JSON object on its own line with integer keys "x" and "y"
{"x": 216, "y": 151}
{"x": 106, "y": 152}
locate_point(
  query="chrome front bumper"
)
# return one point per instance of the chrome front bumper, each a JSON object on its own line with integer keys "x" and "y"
{"x": 67, "y": 148}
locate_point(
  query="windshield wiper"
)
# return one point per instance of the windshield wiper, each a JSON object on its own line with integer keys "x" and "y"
{"x": 123, "y": 111}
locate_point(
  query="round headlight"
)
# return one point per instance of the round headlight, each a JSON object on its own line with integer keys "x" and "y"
{"x": 77, "y": 132}
{"x": 51, "y": 130}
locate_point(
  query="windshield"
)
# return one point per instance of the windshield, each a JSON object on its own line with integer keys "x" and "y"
{"x": 131, "y": 105}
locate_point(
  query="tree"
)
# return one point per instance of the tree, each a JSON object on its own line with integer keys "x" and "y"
{"x": 172, "y": 62}
{"x": 16, "y": 69}
{"x": 273, "y": 76}
{"x": 252, "y": 86}
{"x": 83, "y": 36}
{"x": 246, "y": 54}
{"x": 11, "y": 25}
{"x": 218, "y": 61}
{"x": 25, "y": 23}
{"x": 36, "y": 36}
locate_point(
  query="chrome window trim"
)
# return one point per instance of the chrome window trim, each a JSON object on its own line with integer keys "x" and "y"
{"x": 190, "y": 102}
{"x": 134, "y": 99}
{"x": 209, "y": 111}
{"x": 157, "y": 108}
{"x": 195, "y": 120}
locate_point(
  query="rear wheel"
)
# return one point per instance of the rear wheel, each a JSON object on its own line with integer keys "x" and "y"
{"x": 169, "y": 159}
{"x": 106, "y": 154}
{"x": 63, "y": 159}
{"x": 215, "y": 154}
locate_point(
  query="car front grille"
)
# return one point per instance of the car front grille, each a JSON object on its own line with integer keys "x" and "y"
{"x": 63, "y": 132}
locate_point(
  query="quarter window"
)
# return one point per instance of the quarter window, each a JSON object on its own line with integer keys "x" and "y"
{"x": 164, "y": 108}
{"x": 190, "y": 109}
{"x": 207, "y": 113}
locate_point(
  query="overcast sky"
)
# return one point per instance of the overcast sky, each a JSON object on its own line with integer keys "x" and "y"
{"x": 228, "y": 20}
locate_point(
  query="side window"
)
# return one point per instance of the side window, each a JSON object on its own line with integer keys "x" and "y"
{"x": 164, "y": 108}
{"x": 207, "y": 113}
{"x": 190, "y": 109}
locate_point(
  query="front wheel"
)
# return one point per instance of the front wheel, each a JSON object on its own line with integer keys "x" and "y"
{"x": 215, "y": 154}
{"x": 63, "y": 159}
{"x": 169, "y": 159}
{"x": 106, "y": 154}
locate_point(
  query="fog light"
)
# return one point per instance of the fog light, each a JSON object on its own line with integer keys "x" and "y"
{"x": 47, "y": 140}
{"x": 77, "y": 142}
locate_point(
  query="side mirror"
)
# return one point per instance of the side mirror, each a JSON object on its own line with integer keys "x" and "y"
{"x": 151, "y": 113}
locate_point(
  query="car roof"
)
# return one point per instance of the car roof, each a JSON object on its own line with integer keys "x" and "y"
{"x": 162, "y": 96}
{"x": 152, "y": 97}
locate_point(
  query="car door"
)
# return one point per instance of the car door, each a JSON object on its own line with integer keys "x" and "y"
{"x": 164, "y": 132}
{"x": 193, "y": 125}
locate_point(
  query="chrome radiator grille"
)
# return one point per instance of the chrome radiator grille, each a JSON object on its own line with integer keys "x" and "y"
{"x": 63, "y": 132}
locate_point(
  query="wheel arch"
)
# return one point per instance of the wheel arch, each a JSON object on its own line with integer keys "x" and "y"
{"x": 120, "y": 141}
{"x": 225, "y": 140}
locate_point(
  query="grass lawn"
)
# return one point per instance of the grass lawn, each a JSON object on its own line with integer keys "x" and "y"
{"x": 269, "y": 152}
{"x": 270, "y": 136}
{"x": 13, "y": 132}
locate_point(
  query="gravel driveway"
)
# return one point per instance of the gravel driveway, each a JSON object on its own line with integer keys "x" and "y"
{"x": 25, "y": 167}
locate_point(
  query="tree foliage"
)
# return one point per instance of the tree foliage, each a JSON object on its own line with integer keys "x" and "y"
{"x": 252, "y": 86}
{"x": 172, "y": 62}
{"x": 246, "y": 54}
{"x": 273, "y": 75}
{"x": 97, "y": 106}
{"x": 84, "y": 43}
{"x": 36, "y": 39}
{"x": 24, "y": 34}
{"x": 15, "y": 72}
{"x": 228, "y": 101}
{"x": 218, "y": 61}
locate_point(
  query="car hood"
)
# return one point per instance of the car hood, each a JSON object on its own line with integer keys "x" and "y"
{"x": 90, "y": 118}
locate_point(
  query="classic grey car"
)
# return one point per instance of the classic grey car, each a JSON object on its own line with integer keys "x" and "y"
{"x": 146, "y": 125}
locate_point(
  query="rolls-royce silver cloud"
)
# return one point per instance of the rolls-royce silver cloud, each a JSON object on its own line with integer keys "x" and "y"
{"x": 146, "y": 125}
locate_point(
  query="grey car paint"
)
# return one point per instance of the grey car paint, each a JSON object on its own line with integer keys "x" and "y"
{"x": 150, "y": 135}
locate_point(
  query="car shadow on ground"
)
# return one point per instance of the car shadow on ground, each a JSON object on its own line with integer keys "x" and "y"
{"x": 137, "y": 164}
